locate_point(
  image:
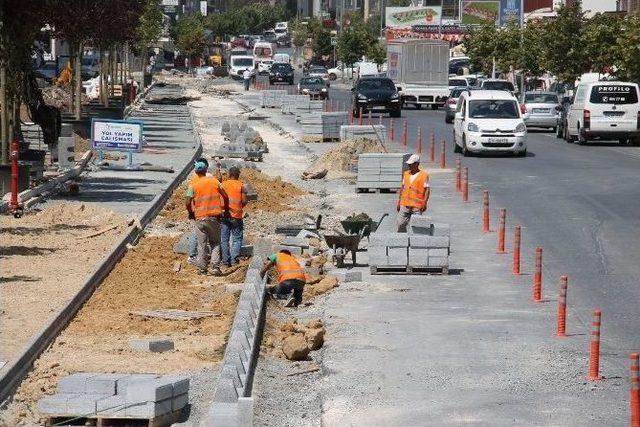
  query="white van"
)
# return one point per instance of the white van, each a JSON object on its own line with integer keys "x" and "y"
{"x": 263, "y": 50}
{"x": 604, "y": 110}
{"x": 239, "y": 63}
{"x": 281, "y": 58}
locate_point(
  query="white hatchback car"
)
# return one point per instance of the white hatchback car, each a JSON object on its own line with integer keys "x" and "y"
{"x": 489, "y": 121}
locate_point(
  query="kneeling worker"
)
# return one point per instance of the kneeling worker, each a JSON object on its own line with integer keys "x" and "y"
{"x": 290, "y": 276}
{"x": 414, "y": 193}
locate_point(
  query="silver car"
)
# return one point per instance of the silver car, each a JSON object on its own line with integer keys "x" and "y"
{"x": 540, "y": 109}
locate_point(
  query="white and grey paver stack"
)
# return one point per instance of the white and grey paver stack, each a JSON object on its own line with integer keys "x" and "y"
{"x": 311, "y": 125}
{"x": 272, "y": 98}
{"x": 375, "y": 132}
{"x": 308, "y": 108}
{"x": 241, "y": 142}
{"x": 100, "y": 395}
{"x": 426, "y": 247}
{"x": 290, "y": 103}
{"x": 332, "y": 123}
{"x": 380, "y": 171}
{"x": 232, "y": 402}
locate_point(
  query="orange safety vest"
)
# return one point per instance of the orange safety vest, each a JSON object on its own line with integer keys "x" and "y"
{"x": 288, "y": 268}
{"x": 233, "y": 188}
{"x": 414, "y": 193}
{"x": 207, "y": 201}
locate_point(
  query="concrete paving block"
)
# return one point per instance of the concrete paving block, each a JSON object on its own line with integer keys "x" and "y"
{"x": 246, "y": 250}
{"x": 348, "y": 275}
{"x": 182, "y": 245}
{"x": 179, "y": 402}
{"x": 438, "y": 261}
{"x": 438, "y": 253}
{"x": 149, "y": 390}
{"x": 295, "y": 250}
{"x": 84, "y": 404}
{"x": 418, "y": 256}
{"x": 397, "y": 240}
{"x": 112, "y": 405}
{"x": 180, "y": 384}
{"x": 75, "y": 383}
{"x": 305, "y": 234}
{"x": 230, "y": 371}
{"x": 153, "y": 345}
{"x": 55, "y": 404}
{"x": 422, "y": 241}
{"x": 149, "y": 409}
{"x": 225, "y": 391}
{"x": 295, "y": 241}
{"x": 378, "y": 255}
{"x": 440, "y": 229}
{"x": 123, "y": 383}
{"x": 398, "y": 256}
{"x": 104, "y": 383}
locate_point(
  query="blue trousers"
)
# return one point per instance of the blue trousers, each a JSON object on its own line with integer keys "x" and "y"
{"x": 231, "y": 240}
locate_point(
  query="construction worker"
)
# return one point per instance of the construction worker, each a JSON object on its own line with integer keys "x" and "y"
{"x": 207, "y": 203}
{"x": 291, "y": 276}
{"x": 414, "y": 194}
{"x": 232, "y": 226}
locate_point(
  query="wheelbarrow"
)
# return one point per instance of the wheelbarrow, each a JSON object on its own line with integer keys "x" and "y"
{"x": 340, "y": 244}
{"x": 365, "y": 228}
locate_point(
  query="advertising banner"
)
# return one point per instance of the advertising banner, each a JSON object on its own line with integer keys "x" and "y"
{"x": 480, "y": 12}
{"x": 116, "y": 135}
{"x": 405, "y": 17}
{"x": 510, "y": 11}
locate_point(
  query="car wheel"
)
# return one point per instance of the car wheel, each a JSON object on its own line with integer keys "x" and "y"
{"x": 522, "y": 153}
{"x": 396, "y": 113}
{"x": 567, "y": 136}
{"x": 418, "y": 106}
{"x": 465, "y": 151}
{"x": 434, "y": 106}
{"x": 448, "y": 120}
{"x": 559, "y": 132}
{"x": 581, "y": 138}
{"x": 456, "y": 148}
{"x": 332, "y": 77}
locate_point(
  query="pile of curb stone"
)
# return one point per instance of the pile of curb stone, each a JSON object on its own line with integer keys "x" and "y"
{"x": 380, "y": 171}
{"x": 91, "y": 395}
{"x": 290, "y": 103}
{"x": 232, "y": 402}
{"x": 243, "y": 142}
{"x": 375, "y": 132}
{"x": 272, "y": 98}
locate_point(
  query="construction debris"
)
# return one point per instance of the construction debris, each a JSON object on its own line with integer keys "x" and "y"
{"x": 173, "y": 314}
{"x": 341, "y": 161}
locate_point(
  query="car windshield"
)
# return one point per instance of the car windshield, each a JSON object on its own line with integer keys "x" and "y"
{"x": 472, "y": 80}
{"x": 493, "y": 109}
{"x": 373, "y": 84}
{"x": 614, "y": 94}
{"x": 243, "y": 62}
{"x": 318, "y": 70}
{"x": 541, "y": 98}
{"x": 489, "y": 85}
{"x": 281, "y": 68}
{"x": 455, "y": 93}
{"x": 457, "y": 82}
{"x": 311, "y": 81}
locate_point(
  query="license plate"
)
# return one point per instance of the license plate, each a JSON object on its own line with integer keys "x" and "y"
{"x": 613, "y": 113}
{"x": 279, "y": 79}
{"x": 499, "y": 140}
{"x": 379, "y": 108}
{"x": 541, "y": 110}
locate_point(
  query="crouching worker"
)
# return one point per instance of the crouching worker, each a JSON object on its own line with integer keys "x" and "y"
{"x": 291, "y": 277}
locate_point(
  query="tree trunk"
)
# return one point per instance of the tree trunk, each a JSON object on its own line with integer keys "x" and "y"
{"x": 4, "y": 117}
{"x": 78, "y": 82}
{"x": 144, "y": 69}
{"x": 72, "y": 80}
{"x": 113, "y": 71}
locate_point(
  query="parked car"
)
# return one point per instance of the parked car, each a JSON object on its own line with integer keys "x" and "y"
{"x": 316, "y": 71}
{"x": 455, "y": 82}
{"x": 376, "y": 94}
{"x": 315, "y": 87}
{"x": 284, "y": 40}
{"x": 498, "y": 84}
{"x": 489, "y": 121}
{"x": 452, "y": 103}
{"x": 458, "y": 63}
{"x": 281, "y": 73}
{"x": 359, "y": 69}
{"x": 238, "y": 64}
{"x": 541, "y": 109}
{"x": 604, "y": 110}
{"x": 264, "y": 66}
{"x": 282, "y": 58}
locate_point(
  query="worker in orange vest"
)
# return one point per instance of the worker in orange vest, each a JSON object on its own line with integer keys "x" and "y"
{"x": 291, "y": 276}
{"x": 207, "y": 203}
{"x": 414, "y": 194}
{"x": 232, "y": 225}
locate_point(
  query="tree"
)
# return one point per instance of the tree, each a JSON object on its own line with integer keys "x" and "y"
{"x": 354, "y": 41}
{"x": 190, "y": 38}
{"x": 628, "y": 44}
{"x": 377, "y": 53}
{"x": 601, "y": 33}
{"x": 481, "y": 47}
{"x": 532, "y": 60}
{"x": 149, "y": 29}
{"x": 322, "y": 44}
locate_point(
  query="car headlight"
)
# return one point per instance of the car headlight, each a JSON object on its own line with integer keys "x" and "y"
{"x": 395, "y": 96}
{"x": 362, "y": 97}
{"x": 472, "y": 127}
{"x": 521, "y": 128}
{"x": 324, "y": 89}
{"x": 305, "y": 90}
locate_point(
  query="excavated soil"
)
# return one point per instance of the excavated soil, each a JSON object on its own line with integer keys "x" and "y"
{"x": 45, "y": 258}
{"x": 97, "y": 338}
{"x": 340, "y": 161}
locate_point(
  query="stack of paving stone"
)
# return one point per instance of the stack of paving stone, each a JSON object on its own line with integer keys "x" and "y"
{"x": 241, "y": 142}
{"x": 309, "y": 108}
{"x": 311, "y": 126}
{"x": 380, "y": 171}
{"x": 375, "y": 132}
{"x": 98, "y": 395}
{"x": 272, "y": 98}
{"x": 411, "y": 252}
{"x": 332, "y": 123}
{"x": 290, "y": 103}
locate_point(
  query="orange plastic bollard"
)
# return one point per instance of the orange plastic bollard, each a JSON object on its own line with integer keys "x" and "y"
{"x": 634, "y": 390}
{"x": 502, "y": 225}
{"x": 537, "y": 277}
{"x": 562, "y": 307}
{"x": 485, "y": 212}
{"x": 443, "y": 155}
{"x": 594, "y": 354}
{"x": 516, "y": 250}
{"x": 465, "y": 184}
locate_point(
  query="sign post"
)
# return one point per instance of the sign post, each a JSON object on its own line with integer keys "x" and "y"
{"x": 117, "y": 135}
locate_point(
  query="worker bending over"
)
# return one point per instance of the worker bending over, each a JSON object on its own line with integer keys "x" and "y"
{"x": 291, "y": 276}
{"x": 207, "y": 203}
{"x": 232, "y": 225}
{"x": 414, "y": 194}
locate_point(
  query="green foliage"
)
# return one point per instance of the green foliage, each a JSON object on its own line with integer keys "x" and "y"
{"x": 251, "y": 18}
{"x": 190, "y": 39}
{"x": 531, "y": 58}
{"x": 355, "y": 41}
{"x": 628, "y": 45}
{"x": 377, "y": 53}
{"x": 481, "y": 47}
{"x": 322, "y": 43}
{"x": 399, "y": 3}
{"x": 564, "y": 49}
{"x": 600, "y": 36}
{"x": 150, "y": 26}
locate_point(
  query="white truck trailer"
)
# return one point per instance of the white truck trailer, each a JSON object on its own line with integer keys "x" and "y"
{"x": 420, "y": 70}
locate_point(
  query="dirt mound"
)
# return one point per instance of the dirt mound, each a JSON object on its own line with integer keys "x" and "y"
{"x": 315, "y": 288}
{"x": 292, "y": 340}
{"x": 339, "y": 162}
{"x": 274, "y": 194}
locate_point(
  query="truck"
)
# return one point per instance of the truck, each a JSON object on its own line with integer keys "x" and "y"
{"x": 420, "y": 70}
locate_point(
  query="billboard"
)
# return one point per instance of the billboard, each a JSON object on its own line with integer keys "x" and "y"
{"x": 534, "y": 5}
{"x": 480, "y": 12}
{"x": 510, "y": 11}
{"x": 405, "y": 17}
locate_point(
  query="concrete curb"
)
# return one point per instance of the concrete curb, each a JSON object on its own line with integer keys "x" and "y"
{"x": 13, "y": 373}
{"x": 232, "y": 404}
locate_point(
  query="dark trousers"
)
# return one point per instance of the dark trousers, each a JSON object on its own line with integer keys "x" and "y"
{"x": 284, "y": 288}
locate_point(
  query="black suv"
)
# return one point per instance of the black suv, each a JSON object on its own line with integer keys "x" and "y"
{"x": 376, "y": 94}
{"x": 281, "y": 73}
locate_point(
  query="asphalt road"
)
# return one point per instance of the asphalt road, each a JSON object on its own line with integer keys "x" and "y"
{"x": 580, "y": 203}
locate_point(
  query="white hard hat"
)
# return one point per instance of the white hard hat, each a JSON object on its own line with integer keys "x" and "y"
{"x": 414, "y": 158}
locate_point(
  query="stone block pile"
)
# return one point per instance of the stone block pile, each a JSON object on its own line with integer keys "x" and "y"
{"x": 374, "y": 132}
{"x": 272, "y": 98}
{"x": 380, "y": 171}
{"x": 242, "y": 142}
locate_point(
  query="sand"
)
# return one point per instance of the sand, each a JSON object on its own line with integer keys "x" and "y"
{"x": 341, "y": 161}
